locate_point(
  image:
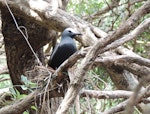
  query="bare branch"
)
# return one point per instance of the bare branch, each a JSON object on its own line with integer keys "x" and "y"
{"x": 134, "y": 34}
{"x": 71, "y": 61}
{"x": 140, "y": 71}
{"x": 4, "y": 79}
{"x": 123, "y": 59}
{"x": 118, "y": 108}
{"x": 127, "y": 62}
{"x": 106, "y": 94}
{"x": 137, "y": 96}
{"x": 20, "y": 106}
{"x": 134, "y": 99}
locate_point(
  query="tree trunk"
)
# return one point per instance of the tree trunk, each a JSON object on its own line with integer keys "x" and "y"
{"x": 19, "y": 56}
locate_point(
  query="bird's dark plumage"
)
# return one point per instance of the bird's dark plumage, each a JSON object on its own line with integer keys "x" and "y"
{"x": 64, "y": 49}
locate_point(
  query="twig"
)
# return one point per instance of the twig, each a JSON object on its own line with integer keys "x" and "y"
{"x": 4, "y": 79}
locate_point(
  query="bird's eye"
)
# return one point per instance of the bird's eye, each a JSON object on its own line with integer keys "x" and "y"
{"x": 69, "y": 31}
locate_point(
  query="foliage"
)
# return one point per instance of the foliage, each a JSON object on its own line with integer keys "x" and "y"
{"x": 83, "y": 7}
{"x": 28, "y": 85}
{"x": 5, "y": 84}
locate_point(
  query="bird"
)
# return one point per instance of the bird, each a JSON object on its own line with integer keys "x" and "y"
{"x": 64, "y": 49}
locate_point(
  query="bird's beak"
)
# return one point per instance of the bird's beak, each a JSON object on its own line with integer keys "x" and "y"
{"x": 77, "y": 34}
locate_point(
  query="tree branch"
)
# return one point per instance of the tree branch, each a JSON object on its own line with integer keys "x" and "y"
{"x": 123, "y": 59}
{"x": 20, "y": 106}
{"x": 137, "y": 96}
{"x": 106, "y": 94}
{"x": 134, "y": 34}
{"x": 115, "y": 109}
{"x": 141, "y": 68}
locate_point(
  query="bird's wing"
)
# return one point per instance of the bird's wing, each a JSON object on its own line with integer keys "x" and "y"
{"x": 54, "y": 51}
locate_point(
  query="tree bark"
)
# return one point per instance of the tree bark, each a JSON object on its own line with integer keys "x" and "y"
{"x": 19, "y": 56}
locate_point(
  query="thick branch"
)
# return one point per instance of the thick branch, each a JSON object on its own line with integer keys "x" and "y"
{"x": 20, "y": 106}
{"x": 139, "y": 93}
{"x": 141, "y": 68}
{"x": 71, "y": 61}
{"x": 124, "y": 59}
